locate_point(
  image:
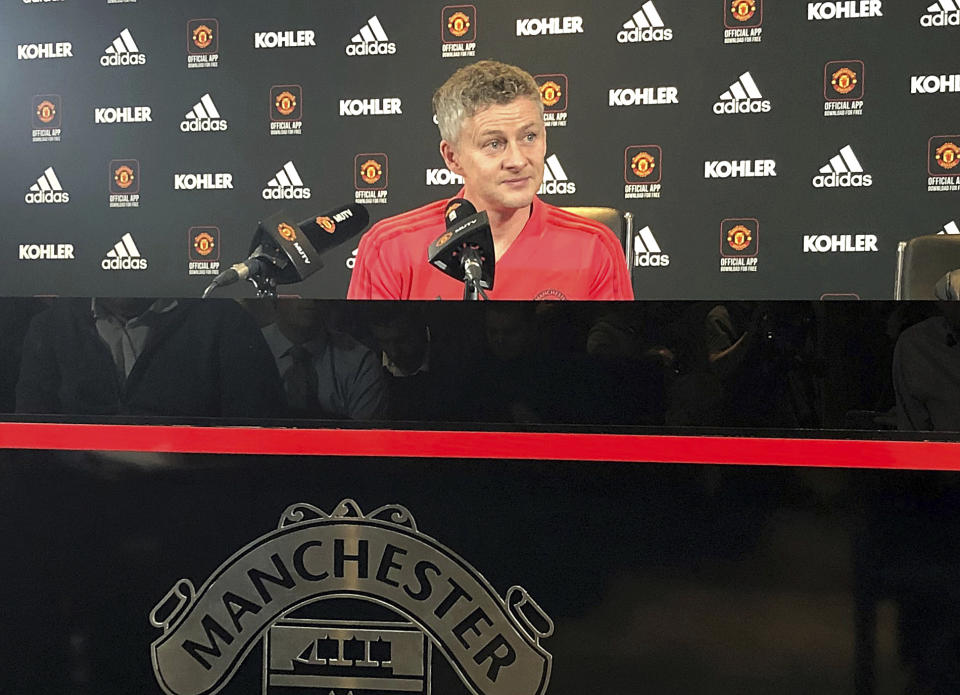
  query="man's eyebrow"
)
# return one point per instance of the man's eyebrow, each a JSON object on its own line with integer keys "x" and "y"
{"x": 499, "y": 131}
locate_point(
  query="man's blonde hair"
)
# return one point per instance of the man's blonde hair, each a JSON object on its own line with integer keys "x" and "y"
{"x": 474, "y": 87}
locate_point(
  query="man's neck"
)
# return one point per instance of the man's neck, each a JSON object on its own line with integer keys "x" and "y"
{"x": 506, "y": 225}
{"x": 299, "y": 335}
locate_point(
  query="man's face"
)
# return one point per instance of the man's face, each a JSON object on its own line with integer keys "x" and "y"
{"x": 511, "y": 333}
{"x": 405, "y": 342}
{"x": 306, "y": 316}
{"x": 128, "y": 307}
{"x": 500, "y": 155}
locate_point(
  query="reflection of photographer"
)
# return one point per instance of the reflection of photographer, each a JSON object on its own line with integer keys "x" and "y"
{"x": 325, "y": 373}
{"x": 133, "y": 356}
{"x": 762, "y": 354}
{"x": 926, "y": 372}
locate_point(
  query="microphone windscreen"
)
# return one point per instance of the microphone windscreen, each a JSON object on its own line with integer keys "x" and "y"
{"x": 335, "y": 226}
{"x": 458, "y": 209}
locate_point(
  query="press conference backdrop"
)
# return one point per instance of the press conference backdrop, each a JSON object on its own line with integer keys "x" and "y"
{"x": 766, "y": 149}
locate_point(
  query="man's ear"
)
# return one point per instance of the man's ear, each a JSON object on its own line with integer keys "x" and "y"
{"x": 450, "y": 157}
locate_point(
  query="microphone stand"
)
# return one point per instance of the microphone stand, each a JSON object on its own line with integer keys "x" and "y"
{"x": 265, "y": 285}
{"x": 472, "y": 292}
{"x": 472, "y": 273}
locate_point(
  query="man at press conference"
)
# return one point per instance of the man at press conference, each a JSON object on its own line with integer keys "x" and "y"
{"x": 492, "y": 134}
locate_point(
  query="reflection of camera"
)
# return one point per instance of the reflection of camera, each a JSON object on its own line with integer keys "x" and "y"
{"x": 767, "y": 327}
{"x": 780, "y": 340}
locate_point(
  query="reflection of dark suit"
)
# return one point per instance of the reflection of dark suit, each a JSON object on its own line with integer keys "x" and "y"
{"x": 926, "y": 377}
{"x": 200, "y": 359}
{"x": 15, "y": 316}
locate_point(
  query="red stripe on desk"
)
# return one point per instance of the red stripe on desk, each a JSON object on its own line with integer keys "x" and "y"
{"x": 484, "y": 445}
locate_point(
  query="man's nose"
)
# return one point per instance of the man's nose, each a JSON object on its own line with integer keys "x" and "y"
{"x": 513, "y": 157}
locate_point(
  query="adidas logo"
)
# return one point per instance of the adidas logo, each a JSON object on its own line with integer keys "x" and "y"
{"x": 647, "y": 252}
{"x": 47, "y": 190}
{"x": 843, "y": 171}
{"x": 372, "y": 40}
{"x": 203, "y": 117}
{"x": 124, "y": 256}
{"x": 443, "y": 177}
{"x": 950, "y": 228}
{"x": 352, "y": 261}
{"x": 123, "y": 51}
{"x": 945, "y": 13}
{"x": 645, "y": 25}
{"x": 286, "y": 185}
{"x": 555, "y": 181}
{"x": 743, "y": 96}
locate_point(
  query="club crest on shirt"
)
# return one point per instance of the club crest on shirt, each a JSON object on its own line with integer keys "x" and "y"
{"x": 550, "y": 295}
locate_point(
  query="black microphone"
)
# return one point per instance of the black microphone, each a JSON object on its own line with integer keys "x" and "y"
{"x": 335, "y": 227}
{"x": 255, "y": 265}
{"x": 465, "y": 250}
{"x": 282, "y": 253}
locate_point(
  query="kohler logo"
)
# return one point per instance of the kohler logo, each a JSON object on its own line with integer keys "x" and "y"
{"x": 839, "y": 243}
{"x": 202, "y": 182}
{"x": 122, "y": 114}
{"x": 284, "y": 39}
{"x": 443, "y": 177}
{"x": 742, "y": 168}
{"x": 934, "y": 84}
{"x": 845, "y": 9}
{"x": 643, "y": 96}
{"x": 46, "y": 252}
{"x": 370, "y": 107}
{"x": 39, "y": 51}
{"x": 549, "y": 25}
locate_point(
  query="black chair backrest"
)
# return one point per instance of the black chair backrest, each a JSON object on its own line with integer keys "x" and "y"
{"x": 922, "y": 261}
{"x": 611, "y": 217}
